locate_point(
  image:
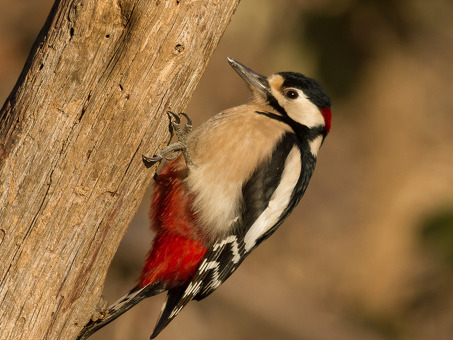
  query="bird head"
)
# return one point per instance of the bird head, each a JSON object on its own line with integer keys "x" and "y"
{"x": 297, "y": 98}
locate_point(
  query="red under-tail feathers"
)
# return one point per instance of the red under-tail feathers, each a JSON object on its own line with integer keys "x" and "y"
{"x": 177, "y": 249}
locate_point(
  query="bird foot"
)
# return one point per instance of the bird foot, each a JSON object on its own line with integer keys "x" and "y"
{"x": 175, "y": 148}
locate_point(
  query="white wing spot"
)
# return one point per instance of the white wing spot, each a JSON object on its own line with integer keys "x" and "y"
{"x": 192, "y": 289}
{"x": 279, "y": 200}
{"x": 206, "y": 265}
{"x": 215, "y": 276}
{"x": 234, "y": 247}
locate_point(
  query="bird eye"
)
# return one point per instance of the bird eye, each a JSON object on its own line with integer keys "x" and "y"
{"x": 291, "y": 94}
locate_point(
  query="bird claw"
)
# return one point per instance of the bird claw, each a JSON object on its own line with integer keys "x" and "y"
{"x": 150, "y": 161}
{"x": 188, "y": 126}
{"x": 176, "y": 118}
{"x": 177, "y": 122}
{"x": 179, "y": 146}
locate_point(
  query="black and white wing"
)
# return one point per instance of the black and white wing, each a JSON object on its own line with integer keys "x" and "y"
{"x": 269, "y": 196}
{"x": 218, "y": 264}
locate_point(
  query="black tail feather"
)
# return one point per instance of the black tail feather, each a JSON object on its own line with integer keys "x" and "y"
{"x": 120, "y": 307}
{"x": 175, "y": 302}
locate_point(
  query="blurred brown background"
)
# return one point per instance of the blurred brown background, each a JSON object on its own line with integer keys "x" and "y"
{"x": 368, "y": 254}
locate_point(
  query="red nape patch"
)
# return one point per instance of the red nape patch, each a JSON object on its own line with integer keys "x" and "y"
{"x": 172, "y": 260}
{"x": 327, "y": 114}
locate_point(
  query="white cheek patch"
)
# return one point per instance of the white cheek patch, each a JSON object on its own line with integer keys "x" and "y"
{"x": 304, "y": 112}
{"x": 301, "y": 110}
{"x": 279, "y": 200}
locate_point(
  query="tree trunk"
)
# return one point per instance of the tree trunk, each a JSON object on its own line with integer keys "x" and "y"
{"x": 90, "y": 101}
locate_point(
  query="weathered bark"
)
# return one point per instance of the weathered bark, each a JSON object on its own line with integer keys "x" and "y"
{"x": 90, "y": 101}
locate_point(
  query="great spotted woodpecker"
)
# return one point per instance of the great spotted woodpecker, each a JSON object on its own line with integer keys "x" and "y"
{"x": 240, "y": 175}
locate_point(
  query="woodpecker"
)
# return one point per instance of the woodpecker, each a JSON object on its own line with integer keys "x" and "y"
{"x": 236, "y": 179}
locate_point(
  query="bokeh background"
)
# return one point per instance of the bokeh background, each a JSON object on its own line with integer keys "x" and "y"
{"x": 368, "y": 254}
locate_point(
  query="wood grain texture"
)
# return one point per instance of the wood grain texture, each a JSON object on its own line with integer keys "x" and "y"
{"x": 90, "y": 101}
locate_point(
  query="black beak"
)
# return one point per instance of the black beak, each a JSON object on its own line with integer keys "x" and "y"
{"x": 255, "y": 80}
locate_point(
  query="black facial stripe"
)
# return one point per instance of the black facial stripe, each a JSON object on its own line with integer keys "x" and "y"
{"x": 303, "y": 132}
{"x": 284, "y": 118}
{"x": 272, "y": 101}
{"x": 274, "y": 116}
